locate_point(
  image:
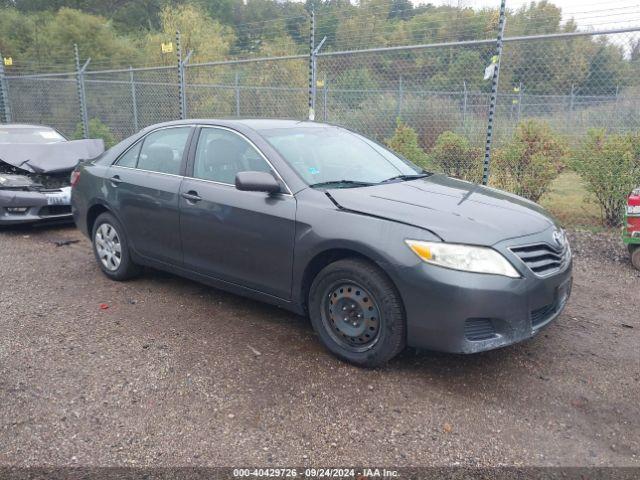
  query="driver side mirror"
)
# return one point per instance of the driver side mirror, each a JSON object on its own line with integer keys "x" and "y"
{"x": 257, "y": 182}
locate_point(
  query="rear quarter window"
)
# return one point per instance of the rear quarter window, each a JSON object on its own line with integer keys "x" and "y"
{"x": 130, "y": 157}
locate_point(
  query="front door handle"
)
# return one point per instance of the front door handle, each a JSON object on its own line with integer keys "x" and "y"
{"x": 191, "y": 196}
{"x": 115, "y": 180}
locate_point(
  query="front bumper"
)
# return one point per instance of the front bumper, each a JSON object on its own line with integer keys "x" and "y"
{"x": 17, "y": 207}
{"x": 461, "y": 312}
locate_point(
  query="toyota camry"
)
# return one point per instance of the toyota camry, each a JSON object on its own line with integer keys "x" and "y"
{"x": 325, "y": 222}
{"x": 35, "y": 164}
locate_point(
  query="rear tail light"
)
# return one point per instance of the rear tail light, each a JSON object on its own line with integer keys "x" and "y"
{"x": 633, "y": 214}
{"x": 75, "y": 177}
{"x": 633, "y": 202}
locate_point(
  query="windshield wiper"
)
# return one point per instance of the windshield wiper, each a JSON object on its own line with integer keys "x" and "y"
{"x": 353, "y": 183}
{"x": 406, "y": 177}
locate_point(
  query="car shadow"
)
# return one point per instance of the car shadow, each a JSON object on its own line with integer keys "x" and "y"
{"x": 425, "y": 363}
{"x": 22, "y": 228}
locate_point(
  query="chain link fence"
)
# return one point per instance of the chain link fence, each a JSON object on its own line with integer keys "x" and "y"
{"x": 267, "y": 88}
{"x": 572, "y": 81}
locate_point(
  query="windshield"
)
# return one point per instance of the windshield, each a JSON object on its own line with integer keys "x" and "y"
{"x": 327, "y": 155}
{"x": 29, "y": 135}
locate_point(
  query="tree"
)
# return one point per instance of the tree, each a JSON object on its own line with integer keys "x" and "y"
{"x": 405, "y": 143}
{"x": 610, "y": 167}
{"x": 94, "y": 35}
{"x": 530, "y": 161}
{"x": 401, "y": 10}
{"x": 454, "y": 156}
{"x": 209, "y": 39}
{"x": 97, "y": 129}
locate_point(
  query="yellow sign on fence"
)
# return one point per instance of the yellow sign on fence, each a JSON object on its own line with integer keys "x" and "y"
{"x": 8, "y": 61}
{"x": 166, "y": 47}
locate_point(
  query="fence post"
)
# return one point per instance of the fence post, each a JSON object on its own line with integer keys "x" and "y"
{"x": 237, "y": 95}
{"x": 134, "y": 102}
{"x": 400, "y": 97}
{"x": 571, "y": 99}
{"x": 181, "y": 90}
{"x": 325, "y": 97}
{"x": 312, "y": 45}
{"x": 519, "y": 101}
{"x": 5, "y": 109}
{"x": 494, "y": 93}
{"x": 82, "y": 98}
{"x": 464, "y": 107}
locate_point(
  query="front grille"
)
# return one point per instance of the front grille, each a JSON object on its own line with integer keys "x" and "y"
{"x": 479, "y": 329}
{"x": 52, "y": 210}
{"x": 543, "y": 259}
{"x": 52, "y": 180}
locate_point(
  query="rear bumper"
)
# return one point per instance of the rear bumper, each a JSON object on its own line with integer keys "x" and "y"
{"x": 18, "y": 207}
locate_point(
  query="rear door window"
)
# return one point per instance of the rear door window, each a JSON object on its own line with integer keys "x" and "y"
{"x": 163, "y": 149}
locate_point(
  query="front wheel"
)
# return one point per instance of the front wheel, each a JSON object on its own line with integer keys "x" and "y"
{"x": 357, "y": 313}
{"x": 111, "y": 248}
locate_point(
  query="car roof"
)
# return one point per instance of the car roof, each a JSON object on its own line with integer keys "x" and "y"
{"x": 22, "y": 126}
{"x": 256, "y": 124}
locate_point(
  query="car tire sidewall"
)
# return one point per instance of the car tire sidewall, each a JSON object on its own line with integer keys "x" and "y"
{"x": 392, "y": 335}
{"x": 127, "y": 269}
{"x": 635, "y": 256}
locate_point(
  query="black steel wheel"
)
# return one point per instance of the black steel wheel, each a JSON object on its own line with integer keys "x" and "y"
{"x": 351, "y": 315}
{"x": 357, "y": 312}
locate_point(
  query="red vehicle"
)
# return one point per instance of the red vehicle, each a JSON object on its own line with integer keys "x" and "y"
{"x": 631, "y": 232}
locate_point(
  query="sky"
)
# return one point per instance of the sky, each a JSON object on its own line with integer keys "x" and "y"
{"x": 590, "y": 14}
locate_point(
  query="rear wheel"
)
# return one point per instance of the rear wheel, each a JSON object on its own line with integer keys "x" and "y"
{"x": 111, "y": 248}
{"x": 357, "y": 312}
{"x": 635, "y": 255}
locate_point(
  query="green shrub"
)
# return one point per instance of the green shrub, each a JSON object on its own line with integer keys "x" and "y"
{"x": 97, "y": 129}
{"x": 610, "y": 167}
{"x": 405, "y": 142}
{"x": 529, "y": 162}
{"x": 453, "y": 156}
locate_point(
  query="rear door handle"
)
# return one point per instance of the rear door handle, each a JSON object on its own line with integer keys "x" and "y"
{"x": 115, "y": 180}
{"x": 191, "y": 196}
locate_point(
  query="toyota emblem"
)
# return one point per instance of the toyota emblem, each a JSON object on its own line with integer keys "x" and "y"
{"x": 558, "y": 237}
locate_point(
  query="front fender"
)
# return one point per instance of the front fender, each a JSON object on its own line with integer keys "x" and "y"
{"x": 321, "y": 229}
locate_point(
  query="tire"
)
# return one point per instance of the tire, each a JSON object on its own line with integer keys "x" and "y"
{"x": 111, "y": 248}
{"x": 635, "y": 256}
{"x": 339, "y": 294}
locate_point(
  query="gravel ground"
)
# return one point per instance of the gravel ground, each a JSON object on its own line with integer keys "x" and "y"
{"x": 176, "y": 373}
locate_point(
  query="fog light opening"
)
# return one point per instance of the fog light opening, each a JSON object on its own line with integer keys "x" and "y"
{"x": 16, "y": 210}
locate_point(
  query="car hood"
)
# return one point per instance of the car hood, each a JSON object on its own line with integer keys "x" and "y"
{"x": 454, "y": 210}
{"x": 50, "y": 157}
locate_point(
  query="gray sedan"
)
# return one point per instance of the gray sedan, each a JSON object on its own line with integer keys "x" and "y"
{"x": 322, "y": 221}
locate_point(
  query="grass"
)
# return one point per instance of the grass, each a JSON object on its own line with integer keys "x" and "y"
{"x": 571, "y": 204}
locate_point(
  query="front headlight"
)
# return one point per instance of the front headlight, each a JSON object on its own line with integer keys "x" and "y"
{"x": 463, "y": 257}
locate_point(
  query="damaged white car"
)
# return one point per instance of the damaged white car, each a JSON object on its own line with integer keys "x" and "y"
{"x": 35, "y": 167}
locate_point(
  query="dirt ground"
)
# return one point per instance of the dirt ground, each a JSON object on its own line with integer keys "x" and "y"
{"x": 176, "y": 373}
